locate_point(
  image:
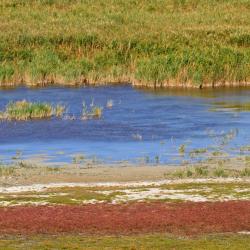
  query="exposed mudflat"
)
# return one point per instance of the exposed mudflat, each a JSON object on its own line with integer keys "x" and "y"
{"x": 33, "y": 171}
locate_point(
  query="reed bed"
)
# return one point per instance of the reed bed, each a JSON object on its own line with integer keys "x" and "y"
{"x": 188, "y": 43}
{"x": 24, "y": 110}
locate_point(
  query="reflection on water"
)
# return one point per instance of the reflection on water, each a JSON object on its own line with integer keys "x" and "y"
{"x": 150, "y": 126}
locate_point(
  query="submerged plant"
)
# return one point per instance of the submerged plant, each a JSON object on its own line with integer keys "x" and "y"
{"x": 234, "y": 106}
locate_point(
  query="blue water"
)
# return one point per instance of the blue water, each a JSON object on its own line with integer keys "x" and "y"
{"x": 141, "y": 125}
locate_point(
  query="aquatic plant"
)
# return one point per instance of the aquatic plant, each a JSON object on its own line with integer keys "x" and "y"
{"x": 24, "y": 110}
{"x": 245, "y": 148}
{"x": 157, "y": 159}
{"x": 96, "y": 112}
{"x": 59, "y": 110}
{"x": 78, "y": 159}
{"x": 182, "y": 149}
{"x": 92, "y": 112}
{"x": 110, "y": 103}
{"x": 234, "y": 106}
{"x": 137, "y": 137}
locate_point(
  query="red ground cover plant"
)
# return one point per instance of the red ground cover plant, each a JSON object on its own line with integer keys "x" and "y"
{"x": 177, "y": 218}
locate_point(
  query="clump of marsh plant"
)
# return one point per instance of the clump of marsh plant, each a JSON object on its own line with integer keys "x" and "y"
{"x": 147, "y": 159}
{"x": 7, "y": 170}
{"x": 189, "y": 173}
{"x": 137, "y": 137}
{"x": 220, "y": 172}
{"x": 245, "y": 172}
{"x": 23, "y": 164}
{"x": 109, "y": 104}
{"x": 18, "y": 155}
{"x": 201, "y": 171}
{"x": 198, "y": 151}
{"x": 92, "y": 112}
{"x": 179, "y": 173}
{"x": 96, "y": 112}
{"x": 24, "y": 110}
{"x": 182, "y": 149}
{"x": 157, "y": 159}
{"x": 59, "y": 110}
{"x": 237, "y": 107}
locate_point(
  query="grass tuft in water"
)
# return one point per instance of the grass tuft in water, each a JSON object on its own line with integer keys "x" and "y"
{"x": 24, "y": 110}
{"x": 92, "y": 112}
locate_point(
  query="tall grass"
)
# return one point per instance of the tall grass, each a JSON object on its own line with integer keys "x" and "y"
{"x": 149, "y": 43}
{"x": 24, "y": 110}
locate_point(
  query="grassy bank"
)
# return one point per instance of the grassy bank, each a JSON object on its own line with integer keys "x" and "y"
{"x": 156, "y": 241}
{"x": 149, "y": 43}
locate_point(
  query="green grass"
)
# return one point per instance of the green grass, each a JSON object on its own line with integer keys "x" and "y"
{"x": 156, "y": 241}
{"x": 24, "y": 110}
{"x": 207, "y": 172}
{"x": 149, "y": 43}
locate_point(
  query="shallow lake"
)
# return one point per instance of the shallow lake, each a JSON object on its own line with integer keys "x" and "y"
{"x": 141, "y": 126}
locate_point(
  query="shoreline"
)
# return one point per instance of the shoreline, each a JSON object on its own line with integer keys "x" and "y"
{"x": 35, "y": 171}
{"x": 119, "y": 82}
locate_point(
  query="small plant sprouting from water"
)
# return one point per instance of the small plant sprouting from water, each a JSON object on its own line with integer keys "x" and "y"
{"x": 59, "y": 110}
{"x": 78, "y": 159}
{"x": 198, "y": 151}
{"x": 91, "y": 112}
{"x": 157, "y": 159}
{"x": 24, "y": 110}
{"x": 109, "y": 104}
{"x": 182, "y": 149}
{"x": 17, "y": 156}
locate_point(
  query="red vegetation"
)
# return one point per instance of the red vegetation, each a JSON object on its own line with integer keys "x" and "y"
{"x": 179, "y": 218}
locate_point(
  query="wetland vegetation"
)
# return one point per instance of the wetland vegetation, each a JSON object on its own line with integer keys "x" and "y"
{"x": 149, "y": 43}
{"x": 24, "y": 110}
{"x": 151, "y": 241}
{"x": 63, "y": 177}
{"x": 233, "y": 106}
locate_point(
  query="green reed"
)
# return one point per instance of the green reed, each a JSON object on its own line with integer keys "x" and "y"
{"x": 149, "y": 43}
